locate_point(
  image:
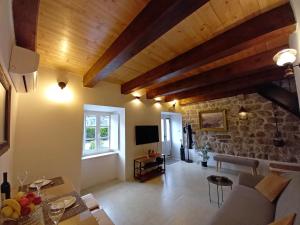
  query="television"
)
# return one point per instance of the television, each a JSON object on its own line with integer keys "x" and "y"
{"x": 146, "y": 134}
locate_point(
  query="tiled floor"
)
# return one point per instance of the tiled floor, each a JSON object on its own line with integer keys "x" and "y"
{"x": 178, "y": 198}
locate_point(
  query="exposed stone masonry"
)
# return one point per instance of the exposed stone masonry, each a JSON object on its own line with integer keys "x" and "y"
{"x": 252, "y": 137}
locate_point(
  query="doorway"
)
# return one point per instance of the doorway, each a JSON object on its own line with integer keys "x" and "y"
{"x": 171, "y": 135}
{"x": 166, "y": 136}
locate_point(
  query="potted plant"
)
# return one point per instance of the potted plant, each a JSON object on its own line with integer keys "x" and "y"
{"x": 204, "y": 154}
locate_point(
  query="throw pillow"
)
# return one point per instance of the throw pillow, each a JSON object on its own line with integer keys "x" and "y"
{"x": 288, "y": 220}
{"x": 271, "y": 186}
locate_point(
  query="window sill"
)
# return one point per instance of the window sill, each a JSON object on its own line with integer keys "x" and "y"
{"x": 99, "y": 155}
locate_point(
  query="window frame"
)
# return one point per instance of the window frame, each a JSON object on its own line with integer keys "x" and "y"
{"x": 98, "y": 150}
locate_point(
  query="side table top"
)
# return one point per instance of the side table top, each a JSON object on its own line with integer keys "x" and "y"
{"x": 219, "y": 180}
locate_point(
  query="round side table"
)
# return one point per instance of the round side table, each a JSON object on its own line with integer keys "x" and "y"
{"x": 221, "y": 182}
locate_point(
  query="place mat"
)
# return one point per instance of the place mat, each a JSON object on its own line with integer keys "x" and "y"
{"x": 54, "y": 182}
{"x": 70, "y": 212}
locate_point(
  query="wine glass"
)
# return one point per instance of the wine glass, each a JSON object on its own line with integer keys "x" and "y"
{"x": 56, "y": 210}
{"x": 38, "y": 184}
{"x": 22, "y": 177}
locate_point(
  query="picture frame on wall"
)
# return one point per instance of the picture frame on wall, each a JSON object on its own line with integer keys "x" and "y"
{"x": 213, "y": 120}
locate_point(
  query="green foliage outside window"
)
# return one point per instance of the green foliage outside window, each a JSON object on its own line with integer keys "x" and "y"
{"x": 104, "y": 132}
{"x": 93, "y": 145}
{"x": 90, "y": 132}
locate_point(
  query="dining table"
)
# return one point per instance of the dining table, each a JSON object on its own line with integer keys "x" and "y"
{"x": 64, "y": 188}
{"x": 83, "y": 218}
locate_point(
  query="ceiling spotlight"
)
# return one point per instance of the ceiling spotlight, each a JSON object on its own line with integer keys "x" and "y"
{"x": 286, "y": 57}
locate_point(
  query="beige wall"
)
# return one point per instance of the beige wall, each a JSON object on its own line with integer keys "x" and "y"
{"x": 49, "y": 135}
{"x": 6, "y": 43}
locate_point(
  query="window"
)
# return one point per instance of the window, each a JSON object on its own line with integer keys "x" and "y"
{"x": 98, "y": 133}
{"x": 162, "y": 130}
{"x": 168, "y": 129}
{"x": 165, "y": 129}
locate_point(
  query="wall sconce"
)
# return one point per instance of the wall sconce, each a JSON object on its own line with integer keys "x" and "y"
{"x": 59, "y": 93}
{"x": 243, "y": 114}
{"x": 157, "y": 100}
{"x": 137, "y": 100}
{"x": 62, "y": 85}
{"x": 286, "y": 57}
{"x": 174, "y": 103}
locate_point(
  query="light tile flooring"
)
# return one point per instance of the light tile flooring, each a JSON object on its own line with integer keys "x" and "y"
{"x": 178, "y": 198}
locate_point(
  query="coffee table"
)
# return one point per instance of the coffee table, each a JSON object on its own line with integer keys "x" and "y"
{"x": 221, "y": 182}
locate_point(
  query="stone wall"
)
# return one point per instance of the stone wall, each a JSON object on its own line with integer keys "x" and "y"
{"x": 252, "y": 137}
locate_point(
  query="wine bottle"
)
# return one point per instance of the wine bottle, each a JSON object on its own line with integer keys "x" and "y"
{"x": 5, "y": 188}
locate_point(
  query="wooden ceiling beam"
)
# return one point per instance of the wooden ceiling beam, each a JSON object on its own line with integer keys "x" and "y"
{"x": 154, "y": 20}
{"x": 228, "y": 43}
{"x": 220, "y": 95}
{"x": 228, "y": 72}
{"x": 25, "y": 14}
{"x": 250, "y": 81}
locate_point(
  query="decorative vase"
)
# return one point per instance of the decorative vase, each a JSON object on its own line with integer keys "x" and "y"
{"x": 204, "y": 164}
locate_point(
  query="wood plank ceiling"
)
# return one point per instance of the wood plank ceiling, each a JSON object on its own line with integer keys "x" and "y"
{"x": 73, "y": 34}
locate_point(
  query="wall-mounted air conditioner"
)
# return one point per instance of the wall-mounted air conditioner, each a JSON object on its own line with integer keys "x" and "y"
{"x": 23, "y": 69}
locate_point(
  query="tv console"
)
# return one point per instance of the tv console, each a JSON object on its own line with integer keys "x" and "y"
{"x": 147, "y": 167}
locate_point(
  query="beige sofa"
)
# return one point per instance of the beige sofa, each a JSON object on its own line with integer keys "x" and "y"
{"x": 246, "y": 206}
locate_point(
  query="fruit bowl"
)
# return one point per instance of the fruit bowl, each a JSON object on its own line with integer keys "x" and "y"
{"x": 34, "y": 218}
{"x": 24, "y": 208}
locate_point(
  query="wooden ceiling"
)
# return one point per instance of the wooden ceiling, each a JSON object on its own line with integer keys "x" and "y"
{"x": 73, "y": 34}
{"x": 92, "y": 38}
{"x": 212, "y": 19}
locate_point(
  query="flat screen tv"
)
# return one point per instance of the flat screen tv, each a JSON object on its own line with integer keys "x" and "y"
{"x": 146, "y": 134}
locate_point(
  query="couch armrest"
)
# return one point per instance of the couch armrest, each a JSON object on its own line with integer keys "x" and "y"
{"x": 249, "y": 180}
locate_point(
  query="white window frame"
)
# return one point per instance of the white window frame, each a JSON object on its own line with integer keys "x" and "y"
{"x": 98, "y": 150}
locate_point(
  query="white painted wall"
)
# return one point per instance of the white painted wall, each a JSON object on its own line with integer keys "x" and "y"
{"x": 6, "y": 42}
{"x": 49, "y": 135}
{"x": 98, "y": 170}
{"x": 140, "y": 112}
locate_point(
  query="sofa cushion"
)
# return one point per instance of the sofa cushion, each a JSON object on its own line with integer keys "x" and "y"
{"x": 245, "y": 206}
{"x": 249, "y": 180}
{"x": 271, "y": 186}
{"x": 289, "y": 200}
{"x": 288, "y": 220}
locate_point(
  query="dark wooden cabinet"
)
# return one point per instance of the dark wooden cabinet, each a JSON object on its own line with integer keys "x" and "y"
{"x": 147, "y": 167}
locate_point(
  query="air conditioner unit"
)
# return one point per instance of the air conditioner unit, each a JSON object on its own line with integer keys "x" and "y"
{"x": 23, "y": 69}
